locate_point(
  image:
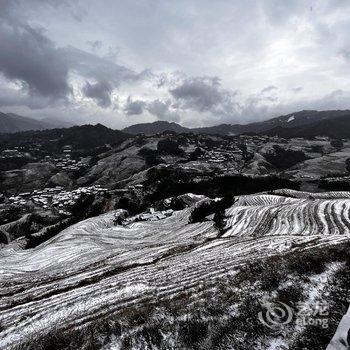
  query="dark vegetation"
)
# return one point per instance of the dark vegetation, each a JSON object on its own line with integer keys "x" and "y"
{"x": 132, "y": 205}
{"x": 165, "y": 147}
{"x": 317, "y": 149}
{"x": 10, "y": 213}
{"x": 171, "y": 181}
{"x": 151, "y": 156}
{"x": 247, "y": 156}
{"x": 197, "y": 153}
{"x": 347, "y": 165}
{"x": 80, "y": 137}
{"x": 14, "y": 162}
{"x": 213, "y": 207}
{"x": 284, "y": 158}
{"x": 337, "y": 143}
{"x": 155, "y": 128}
{"x": 334, "y": 184}
{"x": 48, "y": 232}
{"x": 169, "y": 147}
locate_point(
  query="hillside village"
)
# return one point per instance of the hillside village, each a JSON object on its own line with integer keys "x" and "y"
{"x": 56, "y": 179}
{"x": 56, "y": 199}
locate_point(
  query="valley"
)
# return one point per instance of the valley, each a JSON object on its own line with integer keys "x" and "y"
{"x": 116, "y": 241}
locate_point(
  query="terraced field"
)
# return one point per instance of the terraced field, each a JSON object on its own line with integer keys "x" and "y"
{"x": 262, "y": 215}
{"x": 95, "y": 270}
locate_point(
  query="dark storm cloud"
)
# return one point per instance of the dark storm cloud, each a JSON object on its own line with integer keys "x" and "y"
{"x": 30, "y": 57}
{"x": 106, "y": 73}
{"x": 5, "y": 8}
{"x": 200, "y": 93}
{"x": 100, "y": 92}
{"x": 91, "y": 66}
{"x": 205, "y": 94}
{"x": 134, "y": 107}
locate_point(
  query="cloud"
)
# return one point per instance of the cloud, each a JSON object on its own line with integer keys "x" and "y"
{"x": 268, "y": 89}
{"x": 134, "y": 107}
{"x": 94, "y": 45}
{"x": 16, "y": 97}
{"x": 28, "y": 56}
{"x": 297, "y": 89}
{"x": 44, "y": 70}
{"x": 91, "y": 66}
{"x": 100, "y": 92}
{"x": 162, "y": 110}
{"x": 205, "y": 94}
{"x": 198, "y": 93}
{"x": 204, "y": 63}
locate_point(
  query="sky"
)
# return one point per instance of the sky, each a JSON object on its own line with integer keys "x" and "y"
{"x": 194, "y": 62}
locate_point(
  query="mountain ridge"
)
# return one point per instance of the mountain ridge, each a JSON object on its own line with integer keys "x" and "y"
{"x": 292, "y": 120}
{"x": 308, "y": 123}
{"x": 11, "y": 123}
{"x": 338, "y": 127}
{"x": 155, "y": 127}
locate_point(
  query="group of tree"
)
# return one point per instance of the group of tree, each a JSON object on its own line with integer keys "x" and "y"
{"x": 337, "y": 143}
{"x": 169, "y": 147}
{"x": 172, "y": 181}
{"x": 283, "y": 159}
{"x": 213, "y": 207}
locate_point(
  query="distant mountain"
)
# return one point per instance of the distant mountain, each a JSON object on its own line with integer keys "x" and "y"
{"x": 10, "y": 123}
{"x": 155, "y": 127}
{"x": 89, "y": 136}
{"x": 80, "y": 137}
{"x": 57, "y": 123}
{"x": 287, "y": 121}
{"x": 292, "y": 120}
{"x": 338, "y": 127}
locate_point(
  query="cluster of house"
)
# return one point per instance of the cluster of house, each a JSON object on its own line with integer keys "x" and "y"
{"x": 219, "y": 155}
{"x": 151, "y": 215}
{"x": 13, "y": 153}
{"x": 56, "y": 198}
{"x": 258, "y": 140}
{"x": 66, "y": 163}
{"x": 135, "y": 187}
{"x": 338, "y": 179}
{"x": 231, "y": 150}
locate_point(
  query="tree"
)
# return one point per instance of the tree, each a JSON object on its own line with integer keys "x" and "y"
{"x": 347, "y": 165}
{"x": 317, "y": 149}
{"x": 284, "y": 158}
{"x": 169, "y": 147}
{"x": 197, "y": 153}
{"x": 337, "y": 143}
